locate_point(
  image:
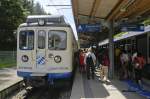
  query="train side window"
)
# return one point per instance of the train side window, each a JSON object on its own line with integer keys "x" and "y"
{"x": 57, "y": 40}
{"x": 26, "y": 40}
{"x": 41, "y": 39}
{"x": 149, "y": 46}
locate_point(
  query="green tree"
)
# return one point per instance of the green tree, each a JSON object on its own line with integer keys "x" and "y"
{"x": 28, "y": 6}
{"x": 13, "y": 12}
{"x": 38, "y": 10}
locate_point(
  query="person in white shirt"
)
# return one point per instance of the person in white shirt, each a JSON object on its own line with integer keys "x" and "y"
{"x": 90, "y": 61}
{"x": 134, "y": 55}
{"x": 124, "y": 63}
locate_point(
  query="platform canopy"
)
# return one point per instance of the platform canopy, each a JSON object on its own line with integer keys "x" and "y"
{"x": 100, "y": 11}
{"x": 93, "y": 11}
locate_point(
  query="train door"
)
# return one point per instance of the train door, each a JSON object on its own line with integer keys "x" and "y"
{"x": 41, "y": 49}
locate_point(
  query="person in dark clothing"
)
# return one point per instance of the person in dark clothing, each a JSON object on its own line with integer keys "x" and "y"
{"x": 90, "y": 61}
{"x": 76, "y": 55}
{"x": 100, "y": 55}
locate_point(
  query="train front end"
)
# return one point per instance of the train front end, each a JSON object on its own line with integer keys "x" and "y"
{"x": 44, "y": 53}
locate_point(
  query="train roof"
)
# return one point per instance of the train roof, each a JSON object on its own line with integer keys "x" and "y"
{"x": 49, "y": 20}
{"x": 125, "y": 35}
{"x": 46, "y": 25}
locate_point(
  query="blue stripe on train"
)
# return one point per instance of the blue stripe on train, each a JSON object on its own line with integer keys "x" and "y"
{"x": 59, "y": 75}
{"x": 24, "y": 74}
{"x": 50, "y": 75}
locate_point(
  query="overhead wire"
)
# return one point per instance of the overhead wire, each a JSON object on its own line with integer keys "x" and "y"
{"x": 60, "y": 12}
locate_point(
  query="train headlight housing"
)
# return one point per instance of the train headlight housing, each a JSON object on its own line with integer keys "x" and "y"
{"x": 41, "y": 22}
{"x": 25, "y": 58}
{"x": 57, "y": 59}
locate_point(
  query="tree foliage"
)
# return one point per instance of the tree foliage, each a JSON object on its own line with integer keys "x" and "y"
{"x": 13, "y": 13}
{"x": 38, "y": 10}
{"x": 11, "y": 16}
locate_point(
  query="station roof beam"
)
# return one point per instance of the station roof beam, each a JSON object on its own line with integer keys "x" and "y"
{"x": 129, "y": 9}
{"x": 75, "y": 10}
{"x": 115, "y": 10}
{"x": 95, "y": 6}
{"x": 138, "y": 8}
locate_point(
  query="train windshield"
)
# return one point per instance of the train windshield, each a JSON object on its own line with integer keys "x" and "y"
{"x": 26, "y": 40}
{"x": 57, "y": 40}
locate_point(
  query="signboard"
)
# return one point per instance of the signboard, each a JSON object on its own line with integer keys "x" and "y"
{"x": 132, "y": 27}
{"x": 89, "y": 28}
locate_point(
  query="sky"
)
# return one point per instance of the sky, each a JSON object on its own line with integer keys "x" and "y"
{"x": 63, "y": 10}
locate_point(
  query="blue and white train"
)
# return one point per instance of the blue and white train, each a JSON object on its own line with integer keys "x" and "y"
{"x": 45, "y": 50}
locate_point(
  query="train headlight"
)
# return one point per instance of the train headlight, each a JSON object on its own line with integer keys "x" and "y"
{"x": 25, "y": 58}
{"x": 57, "y": 59}
{"x": 41, "y": 22}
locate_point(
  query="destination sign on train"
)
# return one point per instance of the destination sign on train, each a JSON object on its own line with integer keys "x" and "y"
{"x": 132, "y": 27}
{"x": 89, "y": 28}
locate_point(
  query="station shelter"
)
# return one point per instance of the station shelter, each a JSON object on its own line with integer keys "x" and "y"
{"x": 97, "y": 20}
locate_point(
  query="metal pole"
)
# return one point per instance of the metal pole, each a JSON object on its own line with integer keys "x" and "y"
{"x": 111, "y": 50}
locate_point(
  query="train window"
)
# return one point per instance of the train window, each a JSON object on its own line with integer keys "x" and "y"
{"x": 41, "y": 39}
{"x": 57, "y": 40}
{"x": 26, "y": 40}
{"x": 149, "y": 47}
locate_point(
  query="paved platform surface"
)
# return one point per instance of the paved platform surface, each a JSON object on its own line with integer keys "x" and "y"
{"x": 95, "y": 89}
{"x": 8, "y": 77}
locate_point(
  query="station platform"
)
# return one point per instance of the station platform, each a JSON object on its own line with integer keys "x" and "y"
{"x": 8, "y": 77}
{"x": 95, "y": 89}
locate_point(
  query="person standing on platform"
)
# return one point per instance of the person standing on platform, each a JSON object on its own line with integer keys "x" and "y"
{"x": 117, "y": 60}
{"x": 90, "y": 61}
{"x": 81, "y": 59}
{"x": 124, "y": 58}
{"x": 77, "y": 61}
{"x": 134, "y": 55}
{"x": 139, "y": 63}
{"x": 105, "y": 66}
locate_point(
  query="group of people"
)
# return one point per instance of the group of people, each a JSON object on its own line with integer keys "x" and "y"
{"x": 87, "y": 61}
{"x": 91, "y": 59}
{"x": 131, "y": 65}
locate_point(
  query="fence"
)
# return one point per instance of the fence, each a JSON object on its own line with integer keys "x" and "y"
{"x": 7, "y": 58}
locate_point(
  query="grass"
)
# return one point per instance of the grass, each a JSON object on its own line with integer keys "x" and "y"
{"x": 7, "y": 62}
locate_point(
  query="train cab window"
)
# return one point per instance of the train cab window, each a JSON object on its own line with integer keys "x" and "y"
{"x": 26, "y": 40}
{"x": 57, "y": 40}
{"x": 41, "y": 39}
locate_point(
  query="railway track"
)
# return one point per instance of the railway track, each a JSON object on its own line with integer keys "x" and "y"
{"x": 11, "y": 89}
{"x": 19, "y": 91}
{"x": 42, "y": 93}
